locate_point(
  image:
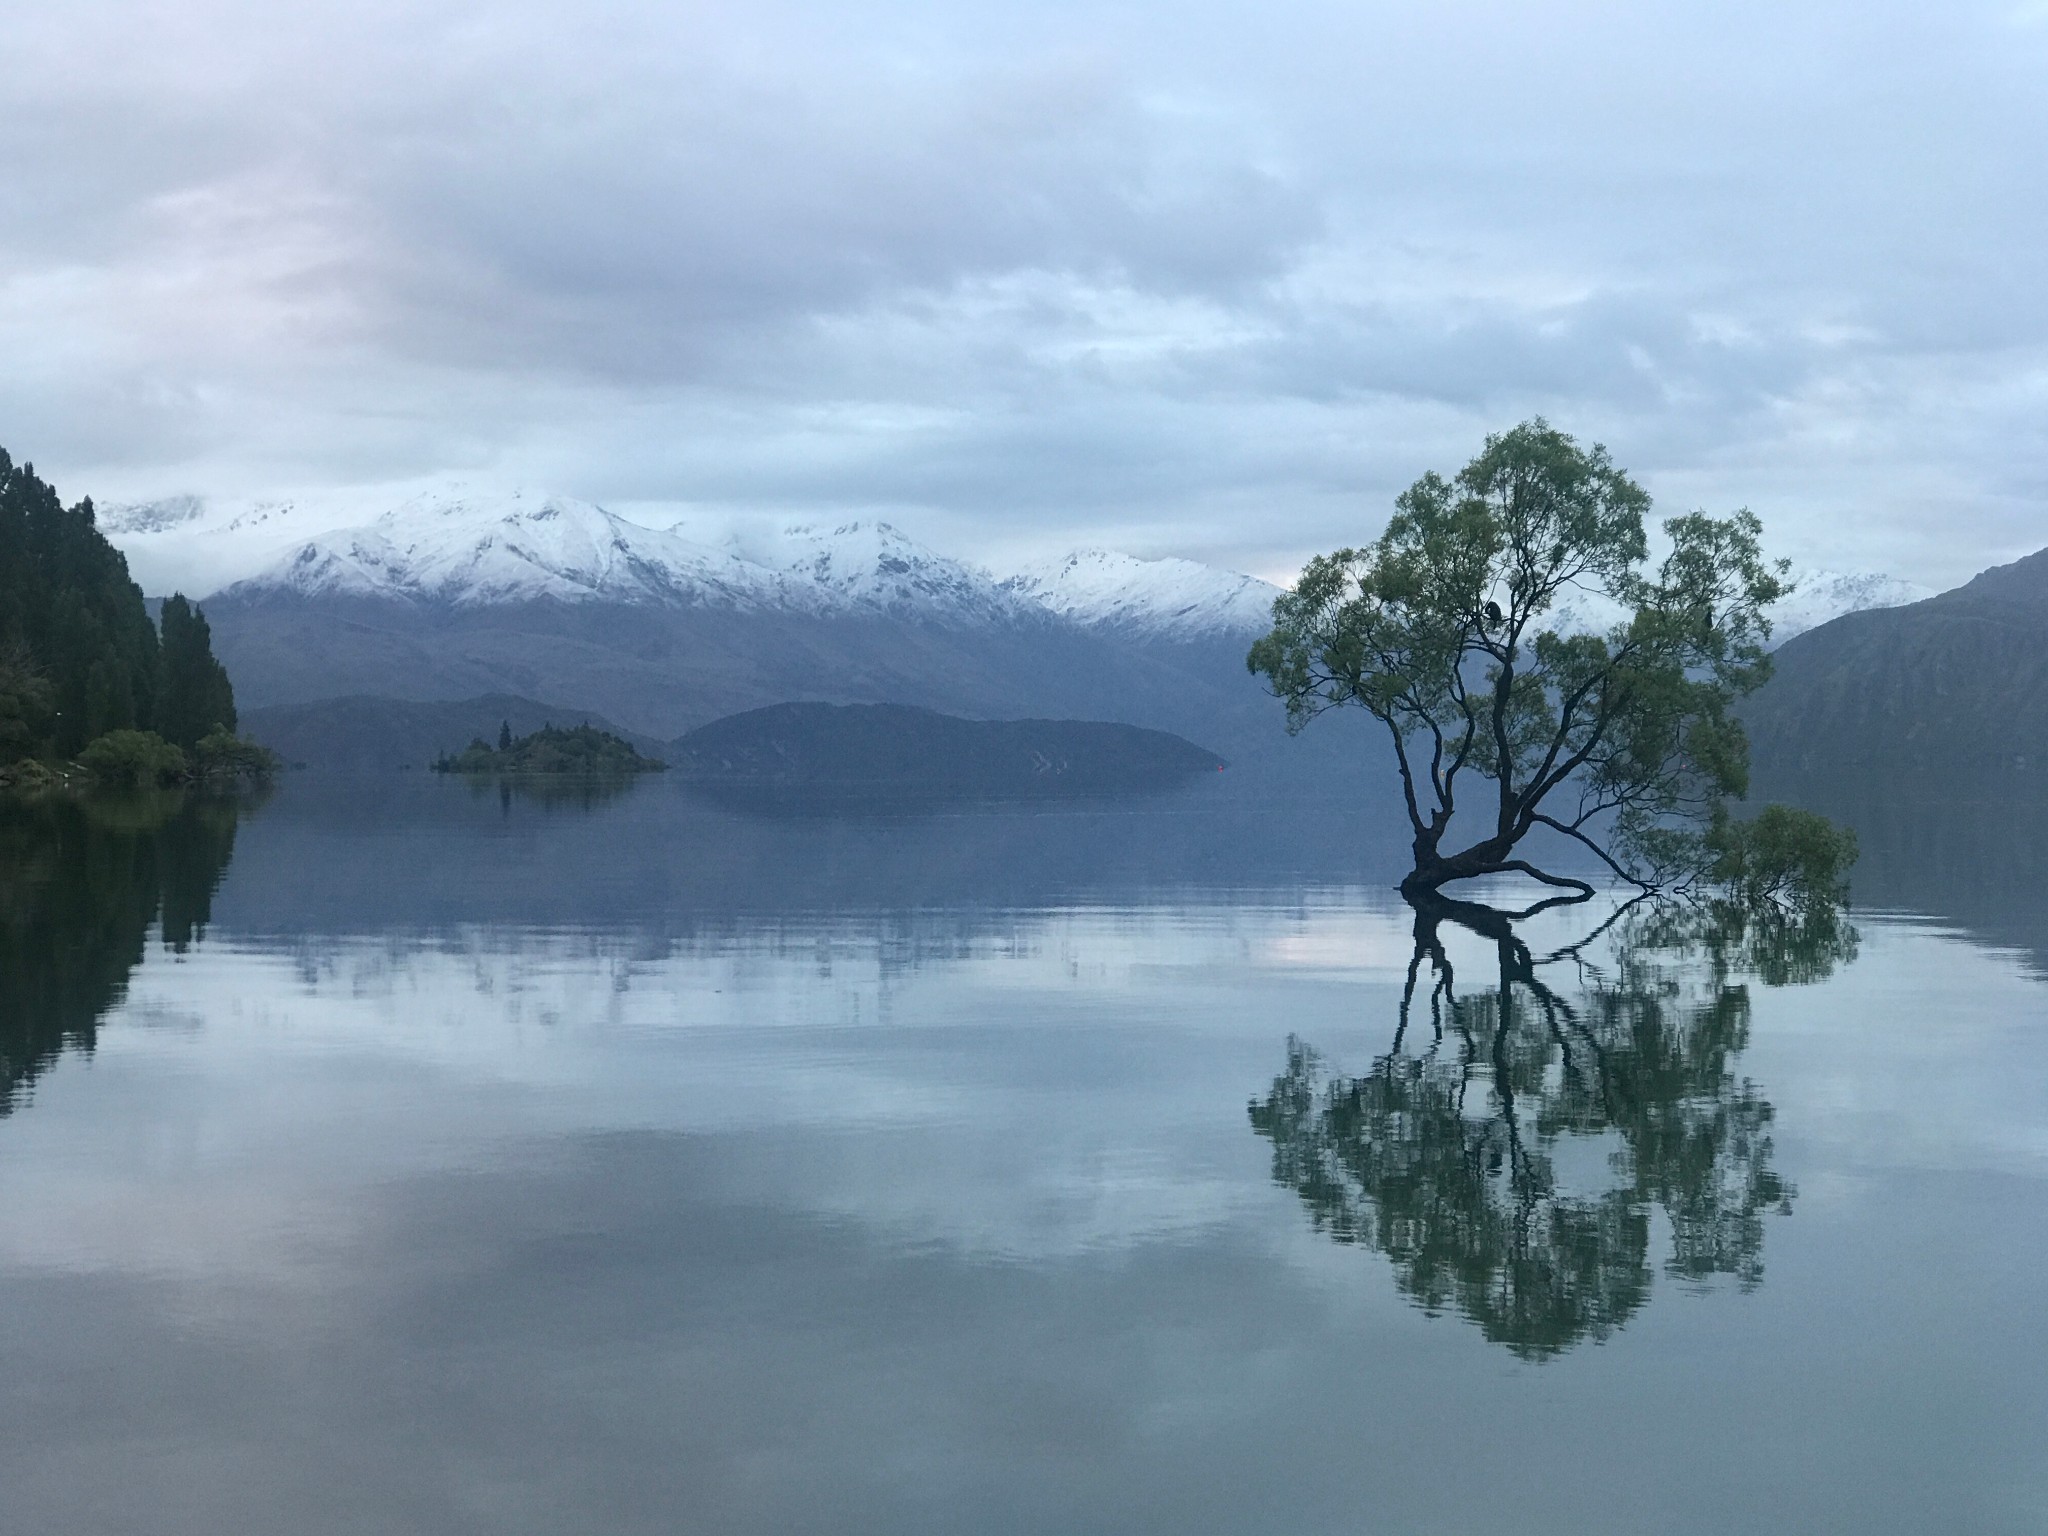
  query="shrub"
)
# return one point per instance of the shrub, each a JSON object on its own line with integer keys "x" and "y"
{"x": 220, "y": 754}
{"x": 1783, "y": 855}
{"x": 133, "y": 760}
{"x": 28, "y": 777}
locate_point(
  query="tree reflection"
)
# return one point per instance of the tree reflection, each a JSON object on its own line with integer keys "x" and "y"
{"x": 1508, "y": 1151}
{"x": 552, "y": 791}
{"x": 81, "y": 882}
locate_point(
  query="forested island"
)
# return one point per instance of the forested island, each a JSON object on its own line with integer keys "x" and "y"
{"x": 92, "y": 692}
{"x": 581, "y": 750}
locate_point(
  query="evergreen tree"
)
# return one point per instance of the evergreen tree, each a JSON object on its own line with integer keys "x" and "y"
{"x": 78, "y": 655}
{"x": 505, "y": 736}
{"x": 194, "y": 696}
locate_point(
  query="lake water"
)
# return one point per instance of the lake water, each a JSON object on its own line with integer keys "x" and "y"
{"x": 478, "y": 1164}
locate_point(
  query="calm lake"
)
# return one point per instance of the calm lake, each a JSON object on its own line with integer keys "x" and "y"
{"x": 394, "y": 1156}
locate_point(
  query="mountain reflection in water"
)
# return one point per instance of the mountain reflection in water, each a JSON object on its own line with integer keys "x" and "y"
{"x": 1451, "y": 1155}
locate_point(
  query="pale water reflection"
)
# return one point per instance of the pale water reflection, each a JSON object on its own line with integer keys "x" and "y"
{"x": 639, "y": 1168}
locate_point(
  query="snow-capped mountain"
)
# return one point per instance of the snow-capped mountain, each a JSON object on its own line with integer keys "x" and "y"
{"x": 870, "y": 566}
{"x": 1817, "y": 597}
{"x": 150, "y": 516}
{"x": 1820, "y": 596}
{"x": 1176, "y": 599}
{"x": 201, "y": 544}
{"x": 465, "y": 549}
{"x": 458, "y": 547}
{"x": 473, "y": 551}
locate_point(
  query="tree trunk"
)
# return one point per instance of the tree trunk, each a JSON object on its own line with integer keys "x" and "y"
{"x": 1433, "y": 871}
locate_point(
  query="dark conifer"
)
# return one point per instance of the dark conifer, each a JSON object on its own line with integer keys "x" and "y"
{"x": 194, "y": 695}
{"x": 80, "y": 652}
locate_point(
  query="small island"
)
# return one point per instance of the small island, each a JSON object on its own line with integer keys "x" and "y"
{"x": 581, "y": 750}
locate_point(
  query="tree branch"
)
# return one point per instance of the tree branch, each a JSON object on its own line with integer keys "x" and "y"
{"x": 1606, "y": 858}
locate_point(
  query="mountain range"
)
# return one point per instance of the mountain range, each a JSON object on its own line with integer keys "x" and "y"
{"x": 1938, "y": 699}
{"x": 457, "y": 594}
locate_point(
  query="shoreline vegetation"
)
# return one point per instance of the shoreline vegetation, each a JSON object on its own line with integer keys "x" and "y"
{"x": 142, "y": 760}
{"x": 96, "y": 695}
{"x": 581, "y": 751}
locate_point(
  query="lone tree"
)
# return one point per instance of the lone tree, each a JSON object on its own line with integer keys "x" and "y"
{"x": 1454, "y": 630}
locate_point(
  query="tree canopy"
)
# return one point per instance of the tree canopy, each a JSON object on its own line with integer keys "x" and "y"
{"x": 79, "y": 657}
{"x": 1466, "y": 629}
{"x": 194, "y": 696}
{"x": 581, "y": 749}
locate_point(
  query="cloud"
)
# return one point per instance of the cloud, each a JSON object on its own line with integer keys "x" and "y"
{"x": 1201, "y": 281}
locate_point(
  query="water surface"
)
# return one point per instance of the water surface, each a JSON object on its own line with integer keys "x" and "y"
{"x": 467, "y": 1164}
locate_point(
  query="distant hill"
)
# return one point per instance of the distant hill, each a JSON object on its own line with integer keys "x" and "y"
{"x": 854, "y": 750}
{"x": 1947, "y": 697}
{"x": 365, "y": 732}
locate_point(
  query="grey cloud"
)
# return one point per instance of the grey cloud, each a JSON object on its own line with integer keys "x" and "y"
{"x": 1020, "y": 276}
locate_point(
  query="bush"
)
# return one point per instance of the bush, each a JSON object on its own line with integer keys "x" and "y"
{"x": 220, "y": 754}
{"x": 1783, "y": 855}
{"x": 29, "y": 777}
{"x": 133, "y": 760}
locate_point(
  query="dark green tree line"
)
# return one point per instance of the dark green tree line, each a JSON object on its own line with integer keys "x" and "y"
{"x": 79, "y": 657}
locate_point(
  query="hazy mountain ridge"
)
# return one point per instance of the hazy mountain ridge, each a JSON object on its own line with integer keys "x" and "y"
{"x": 1817, "y": 598}
{"x": 461, "y": 548}
{"x": 454, "y": 596}
{"x": 1944, "y": 696}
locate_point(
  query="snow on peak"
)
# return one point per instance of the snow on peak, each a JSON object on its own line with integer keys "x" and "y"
{"x": 150, "y": 516}
{"x": 471, "y": 548}
{"x": 1178, "y": 599}
{"x": 477, "y": 550}
{"x": 874, "y": 567}
{"x": 1818, "y": 596}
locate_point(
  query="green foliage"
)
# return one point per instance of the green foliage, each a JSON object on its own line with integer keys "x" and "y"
{"x": 133, "y": 760}
{"x": 1782, "y": 855}
{"x": 70, "y": 617}
{"x": 581, "y": 749}
{"x": 1448, "y": 629}
{"x": 1459, "y": 1155}
{"x": 220, "y": 754}
{"x": 79, "y": 657}
{"x": 26, "y": 702}
{"x": 194, "y": 696}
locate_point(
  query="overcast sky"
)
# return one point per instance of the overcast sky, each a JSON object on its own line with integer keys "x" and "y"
{"x": 1213, "y": 280}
